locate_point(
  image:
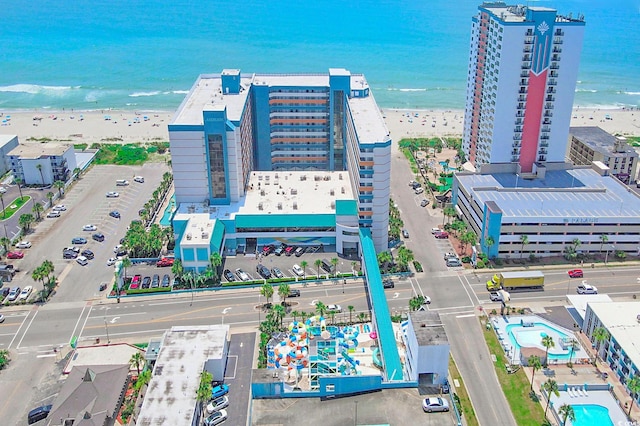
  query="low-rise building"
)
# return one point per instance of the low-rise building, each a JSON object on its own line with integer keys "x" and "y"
{"x": 590, "y": 143}
{"x": 427, "y": 348}
{"x": 42, "y": 164}
{"x": 7, "y": 143}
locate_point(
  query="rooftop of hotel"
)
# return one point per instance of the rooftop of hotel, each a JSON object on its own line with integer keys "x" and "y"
{"x": 6, "y": 138}
{"x": 38, "y": 150}
{"x": 198, "y": 233}
{"x": 428, "y": 328}
{"x": 296, "y": 192}
{"x": 207, "y": 93}
{"x": 180, "y": 361}
{"x": 600, "y": 141}
{"x": 518, "y": 13}
{"x": 579, "y": 194}
{"x": 622, "y": 320}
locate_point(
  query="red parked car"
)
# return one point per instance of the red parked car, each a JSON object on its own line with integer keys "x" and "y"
{"x": 165, "y": 261}
{"x": 441, "y": 235}
{"x": 576, "y": 273}
{"x": 15, "y": 255}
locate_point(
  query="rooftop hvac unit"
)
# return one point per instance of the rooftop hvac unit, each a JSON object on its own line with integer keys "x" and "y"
{"x": 332, "y": 192}
{"x": 342, "y": 190}
{"x": 189, "y": 236}
{"x": 276, "y": 176}
{"x": 340, "y": 176}
{"x": 266, "y": 177}
{"x": 294, "y": 191}
{"x": 205, "y": 235}
{"x": 279, "y": 206}
{"x": 260, "y": 206}
{"x": 262, "y": 192}
{"x": 295, "y": 207}
{"x": 333, "y": 204}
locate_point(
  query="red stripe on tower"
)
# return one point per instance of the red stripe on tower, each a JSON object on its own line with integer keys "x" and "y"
{"x": 532, "y": 120}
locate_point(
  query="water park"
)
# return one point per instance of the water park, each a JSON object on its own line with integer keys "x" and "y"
{"x": 312, "y": 349}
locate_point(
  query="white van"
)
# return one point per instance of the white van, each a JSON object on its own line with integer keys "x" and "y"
{"x": 82, "y": 260}
{"x": 122, "y": 182}
{"x": 138, "y": 179}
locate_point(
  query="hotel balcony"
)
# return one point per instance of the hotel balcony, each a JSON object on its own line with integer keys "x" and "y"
{"x": 550, "y": 98}
{"x": 526, "y": 65}
{"x": 522, "y": 99}
{"x": 557, "y": 40}
{"x": 514, "y": 158}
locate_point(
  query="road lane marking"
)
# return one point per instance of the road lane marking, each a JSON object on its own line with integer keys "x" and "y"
{"x": 18, "y": 330}
{"x": 46, "y": 356}
{"x": 73, "y": 333}
{"x": 27, "y": 329}
{"x": 85, "y": 322}
{"x": 465, "y": 316}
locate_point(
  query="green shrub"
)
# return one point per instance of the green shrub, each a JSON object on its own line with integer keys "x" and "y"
{"x": 480, "y": 264}
{"x": 80, "y": 146}
{"x": 149, "y": 290}
{"x": 417, "y": 266}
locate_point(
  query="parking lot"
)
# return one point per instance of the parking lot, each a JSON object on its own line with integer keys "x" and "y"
{"x": 86, "y": 203}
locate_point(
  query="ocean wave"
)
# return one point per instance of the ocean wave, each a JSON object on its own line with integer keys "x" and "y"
{"x": 629, "y": 93}
{"x": 180, "y": 92}
{"x": 138, "y": 94}
{"x": 35, "y": 89}
{"x": 586, "y": 90}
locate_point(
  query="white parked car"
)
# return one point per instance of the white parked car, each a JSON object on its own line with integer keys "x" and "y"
{"x": 112, "y": 194}
{"x": 53, "y": 213}
{"x": 435, "y": 230}
{"x": 218, "y": 404}
{"x": 334, "y": 308}
{"x": 82, "y": 260}
{"x": 111, "y": 261}
{"x": 3, "y": 189}
{"x": 429, "y": 405}
{"x": 90, "y": 227}
{"x": 242, "y": 275}
{"x": 138, "y": 179}
{"x": 60, "y": 208}
{"x": 297, "y": 270}
{"x": 24, "y": 294}
{"x": 23, "y": 244}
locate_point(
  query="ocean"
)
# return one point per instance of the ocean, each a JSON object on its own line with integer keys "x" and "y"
{"x": 145, "y": 55}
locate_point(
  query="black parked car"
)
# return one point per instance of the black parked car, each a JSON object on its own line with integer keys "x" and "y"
{"x": 69, "y": 254}
{"x": 115, "y": 214}
{"x": 146, "y": 282}
{"x": 263, "y": 271}
{"x": 88, "y": 254}
{"x": 155, "y": 281}
{"x": 98, "y": 237}
{"x": 166, "y": 280}
{"x": 228, "y": 275}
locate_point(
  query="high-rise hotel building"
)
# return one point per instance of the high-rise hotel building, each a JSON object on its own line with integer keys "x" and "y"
{"x": 523, "y": 67}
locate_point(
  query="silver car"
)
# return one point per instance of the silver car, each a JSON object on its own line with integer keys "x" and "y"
{"x": 430, "y": 405}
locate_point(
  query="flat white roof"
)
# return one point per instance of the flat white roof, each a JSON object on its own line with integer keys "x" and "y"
{"x": 198, "y": 232}
{"x": 580, "y": 301}
{"x": 171, "y": 396}
{"x": 295, "y": 192}
{"x": 368, "y": 119}
{"x": 621, "y": 319}
{"x": 6, "y": 138}
{"x": 38, "y": 150}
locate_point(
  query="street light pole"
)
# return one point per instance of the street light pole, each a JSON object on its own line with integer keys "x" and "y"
{"x": 356, "y": 419}
{"x": 106, "y": 327}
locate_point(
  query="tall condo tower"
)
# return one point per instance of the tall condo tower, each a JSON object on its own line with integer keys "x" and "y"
{"x": 523, "y": 67}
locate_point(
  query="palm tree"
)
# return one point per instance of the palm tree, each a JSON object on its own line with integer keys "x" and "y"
{"x": 4, "y": 214}
{"x": 215, "y": 260}
{"x": 362, "y": 316}
{"x": 448, "y": 213}
{"x": 551, "y": 387}
{"x": 573, "y": 345}
{"x": 283, "y": 292}
{"x": 600, "y": 335}
{"x": 547, "y": 342}
{"x": 334, "y": 264}
{"x": 267, "y": 291}
{"x": 76, "y": 172}
{"x": 489, "y": 242}
{"x": 126, "y": 263}
{"x": 50, "y": 197}
{"x": 321, "y": 308}
{"x": 59, "y": 185}
{"x": 295, "y": 315}
{"x": 576, "y": 242}
{"x": 468, "y": 237}
{"x": 304, "y": 265}
{"x": 353, "y": 266}
{"x": 279, "y": 311}
{"x": 203, "y": 394}
{"x": 37, "y": 209}
{"x": 177, "y": 269}
{"x": 25, "y": 220}
{"x": 351, "y": 308}
{"x": 603, "y": 240}
{"x": 39, "y": 167}
{"x": 384, "y": 258}
{"x": 317, "y": 264}
{"x": 416, "y": 303}
{"x": 136, "y": 360}
{"x": 566, "y": 413}
{"x": 523, "y": 240}
{"x": 18, "y": 182}
{"x": 5, "y": 242}
{"x": 535, "y": 364}
{"x": 633, "y": 384}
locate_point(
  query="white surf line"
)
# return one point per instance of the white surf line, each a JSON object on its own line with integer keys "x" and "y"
{"x": 18, "y": 330}
{"x": 27, "y": 329}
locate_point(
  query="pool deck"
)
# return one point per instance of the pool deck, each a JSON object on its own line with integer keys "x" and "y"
{"x": 598, "y": 397}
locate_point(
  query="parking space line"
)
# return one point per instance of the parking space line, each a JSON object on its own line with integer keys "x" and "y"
{"x": 235, "y": 366}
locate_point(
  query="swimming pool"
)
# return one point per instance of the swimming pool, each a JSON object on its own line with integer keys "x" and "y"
{"x": 168, "y": 212}
{"x": 591, "y": 414}
{"x": 532, "y": 337}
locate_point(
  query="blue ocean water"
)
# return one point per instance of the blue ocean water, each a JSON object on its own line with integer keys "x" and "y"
{"x": 145, "y": 55}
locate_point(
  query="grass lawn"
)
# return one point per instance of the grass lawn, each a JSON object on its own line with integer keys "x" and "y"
{"x": 14, "y": 206}
{"x": 516, "y": 387}
{"x": 466, "y": 407}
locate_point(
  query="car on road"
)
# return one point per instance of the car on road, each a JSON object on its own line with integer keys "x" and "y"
{"x": 576, "y": 273}
{"x": 138, "y": 179}
{"x": 112, "y": 194}
{"x": 297, "y": 270}
{"x": 24, "y": 245}
{"x": 242, "y": 275}
{"x": 216, "y": 418}
{"x": 585, "y": 288}
{"x": 15, "y": 255}
{"x": 217, "y": 404}
{"x": 494, "y": 296}
{"x": 79, "y": 240}
{"x": 435, "y": 230}
{"x": 90, "y": 227}
{"x": 294, "y": 292}
{"x": 24, "y": 294}
{"x": 114, "y": 214}
{"x": 430, "y": 405}
{"x": 88, "y": 254}
{"x": 166, "y": 281}
{"x": 98, "y": 237}
{"x": 59, "y": 208}
{"x": 155, "y": 281}
{"x": 263, "y": 271}
{"x": 228, "y": 275}
{"x": 441, "y": 235}
{"x": 388, "y": 283}
{"x": 1, "y": 318}
{"x": 334, "y": 308}
{"x": 219, "y": 391}
{"x": 277, "y": 272}
{"x": 111, "y": 261}
{"x": 146, "y": 282}
{"x": 82, "y": 260}
{"x": 53, "y": 214}
{"x": 405, "y": 233}
{"x": 424, "y": 202}
{"x": 13, "y": 294}
{"x": 164, "y": 262}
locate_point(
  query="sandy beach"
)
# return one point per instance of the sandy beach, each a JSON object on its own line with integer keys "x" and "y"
{"x": 129, "y": 126}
